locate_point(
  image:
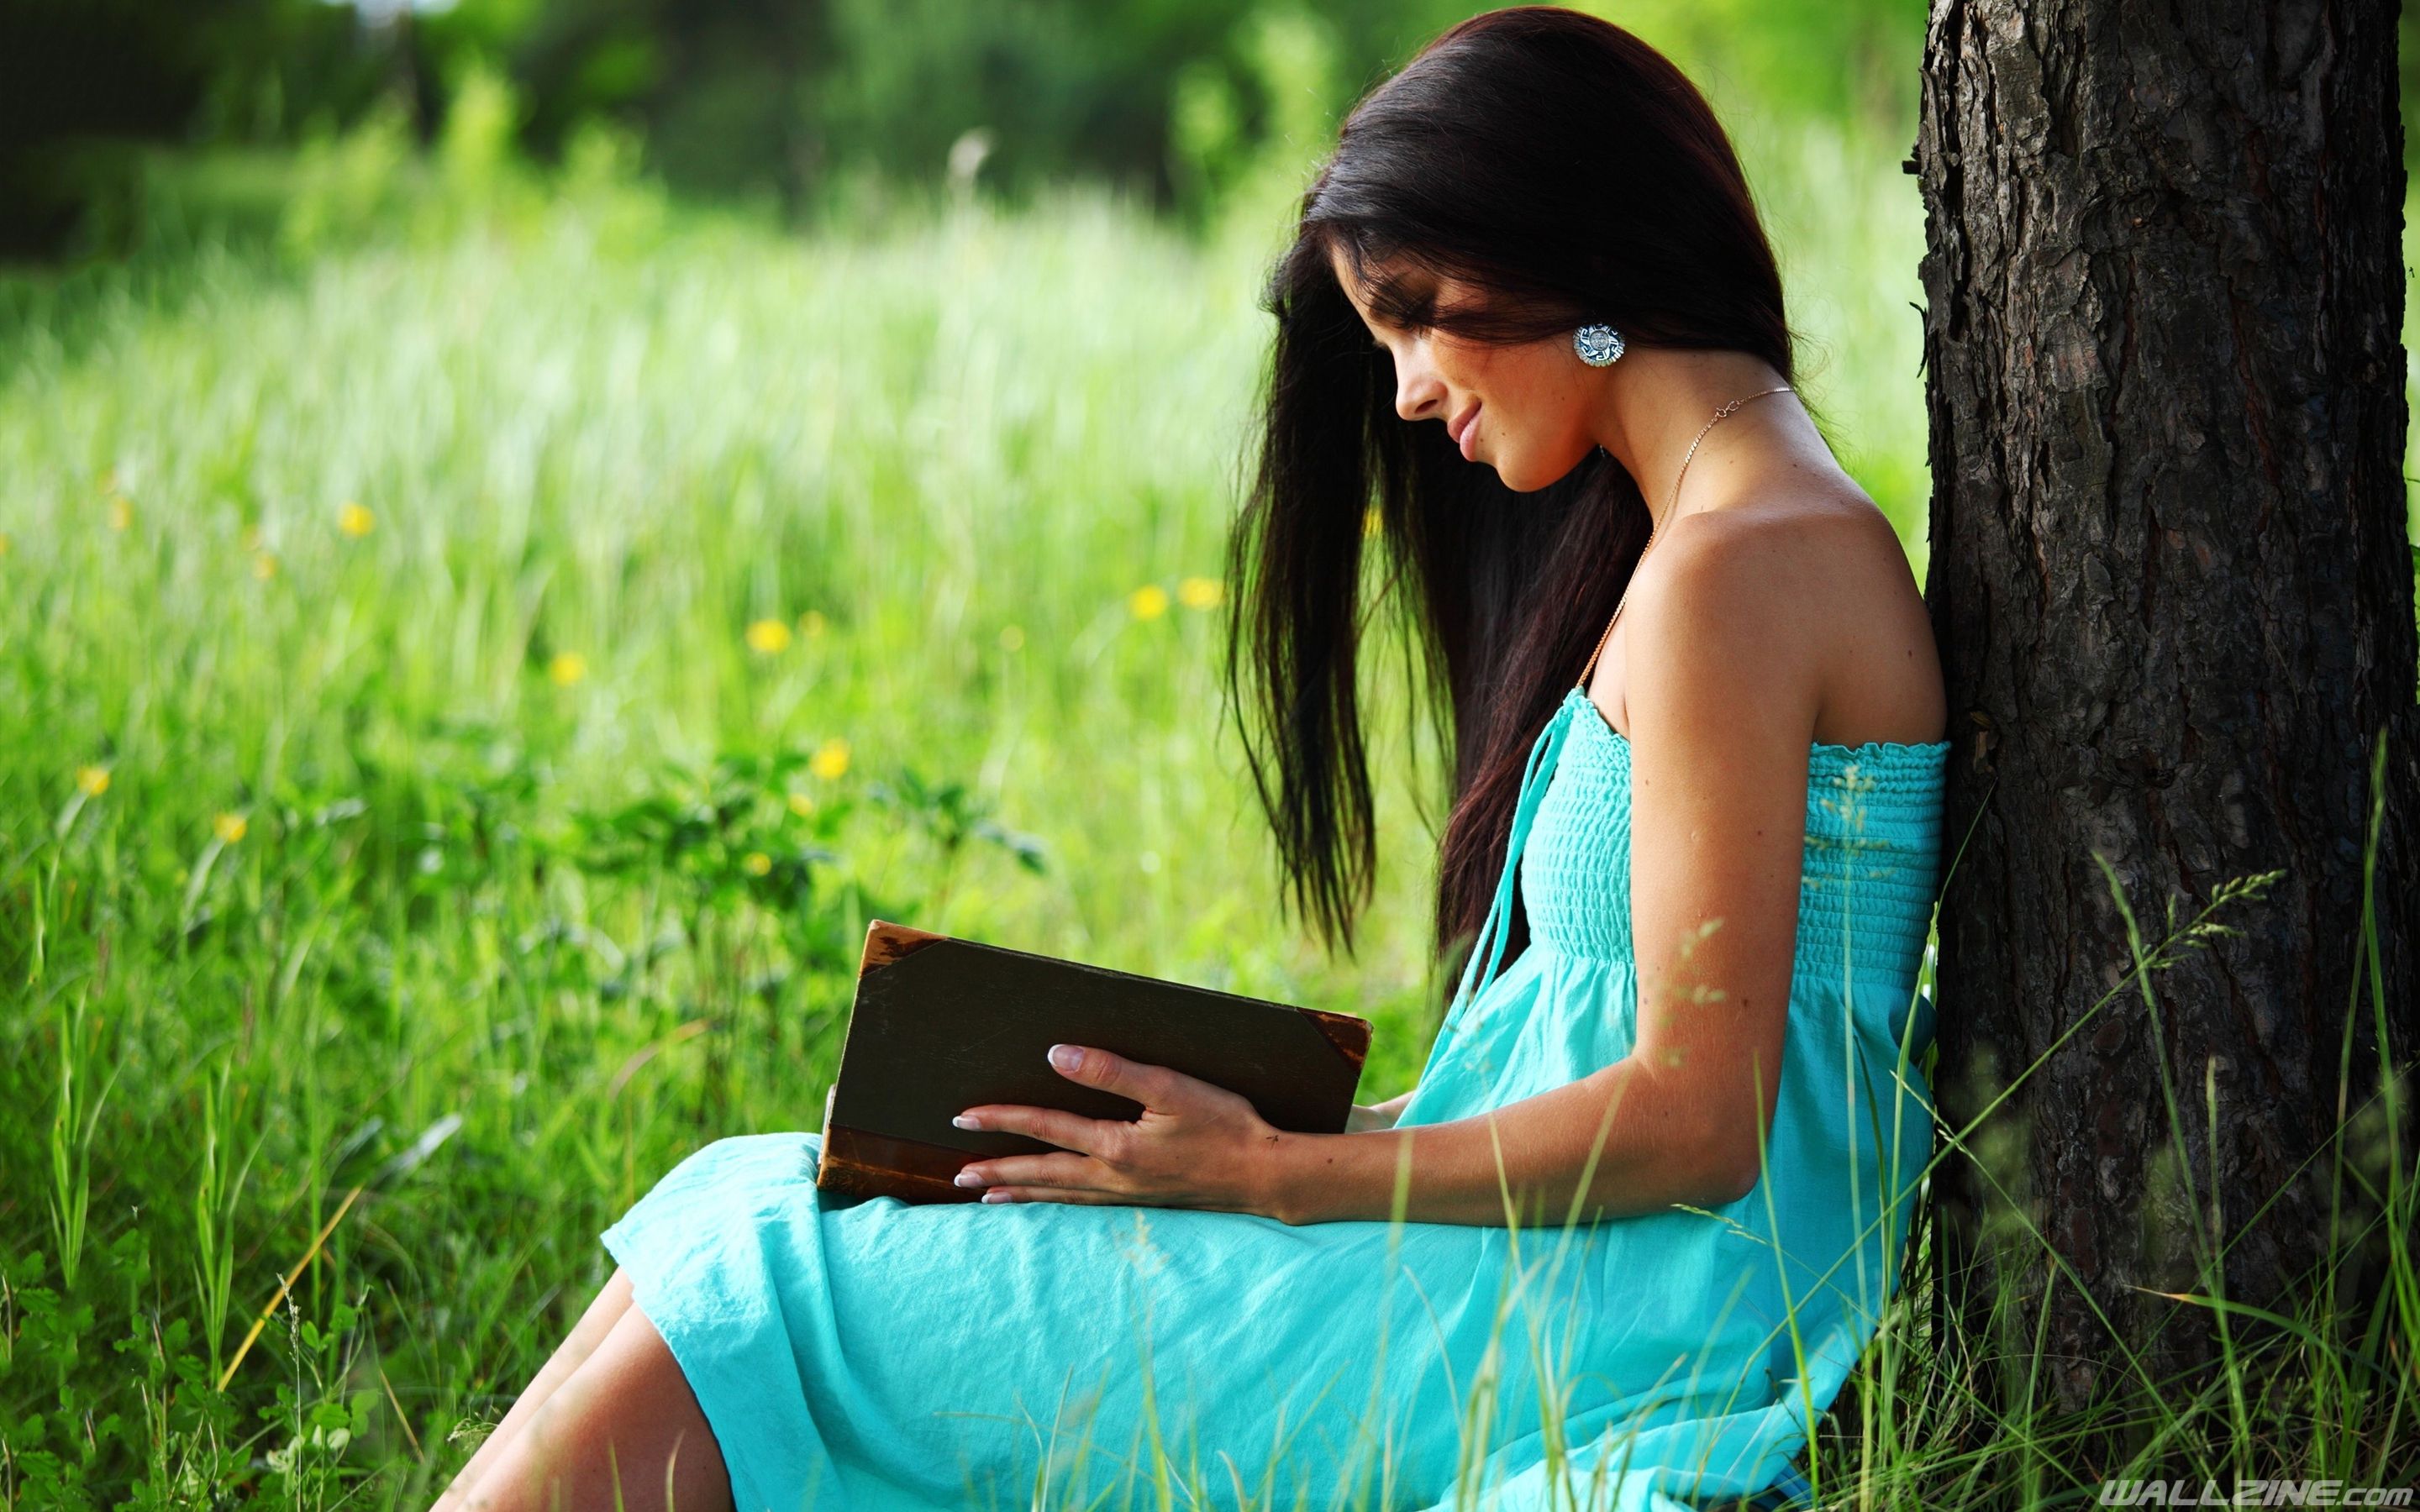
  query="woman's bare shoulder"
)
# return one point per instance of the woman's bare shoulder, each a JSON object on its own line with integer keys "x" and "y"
{"x": 1835, "y": 591}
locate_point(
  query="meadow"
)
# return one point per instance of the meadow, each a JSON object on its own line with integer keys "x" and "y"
{"x": 485, "y": 646}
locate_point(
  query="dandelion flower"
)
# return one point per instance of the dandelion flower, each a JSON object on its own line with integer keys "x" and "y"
{"x": 757, "y": 863}
{"x": 121, "y": 513}
{"x": 1197, "y": 593}
{"x": 769, "y": 636}
{"x": 1011, "y": 637}
{"x": 830, "y": 759}
{"x": 264, "y": 566}
{"x": 355, "y": 520}
{"x": 94, "y": 781}
{"x": 567, "y": 668}
{"x": 811, "y": 624}
{"x": 228, "y": 828}
{"x": 1149, "y": 602}
{"x": 802, "y": 804}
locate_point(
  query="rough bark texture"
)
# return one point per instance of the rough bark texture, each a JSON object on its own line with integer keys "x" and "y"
{"x": 2172, "y": 587}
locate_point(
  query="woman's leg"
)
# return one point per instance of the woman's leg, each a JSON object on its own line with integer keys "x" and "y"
{"x": 625, "y": 1414}
{"x": 612, "y": 1301}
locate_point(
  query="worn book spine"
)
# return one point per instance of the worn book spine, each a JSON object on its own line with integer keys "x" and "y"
{"x": 858, "y": 1163}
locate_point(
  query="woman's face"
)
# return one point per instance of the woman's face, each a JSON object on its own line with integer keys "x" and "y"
{"x": 1522, "y": 409}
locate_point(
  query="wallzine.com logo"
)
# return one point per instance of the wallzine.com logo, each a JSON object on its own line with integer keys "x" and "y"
{"x": 2251, "y": 1494}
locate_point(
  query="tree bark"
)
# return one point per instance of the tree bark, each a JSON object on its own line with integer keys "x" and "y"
{"x": 2173, "y": 593}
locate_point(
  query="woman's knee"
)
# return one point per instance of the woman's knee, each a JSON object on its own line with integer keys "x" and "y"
{"x": 625, "y": 1417}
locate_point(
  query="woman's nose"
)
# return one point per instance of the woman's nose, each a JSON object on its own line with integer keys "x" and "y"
{"x": 1417, "y": 392}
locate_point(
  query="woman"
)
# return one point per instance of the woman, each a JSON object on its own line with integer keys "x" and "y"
{"x": 1644, "y": 1169}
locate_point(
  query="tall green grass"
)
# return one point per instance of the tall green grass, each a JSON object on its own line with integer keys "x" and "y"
{"x": 480, "y": 657}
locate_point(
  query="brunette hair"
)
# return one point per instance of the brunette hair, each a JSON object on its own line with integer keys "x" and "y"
{"x": 1572, "y": 173}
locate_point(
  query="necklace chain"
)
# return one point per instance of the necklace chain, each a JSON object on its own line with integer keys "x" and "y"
{"x": 1655, "y": 525}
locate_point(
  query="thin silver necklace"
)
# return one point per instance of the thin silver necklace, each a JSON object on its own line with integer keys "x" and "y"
{"x": 1655, "y": 525}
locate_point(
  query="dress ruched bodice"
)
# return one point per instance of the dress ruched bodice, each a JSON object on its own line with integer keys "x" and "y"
{"x": 1870, "y": 873}
{"x": 1865, "y": 897}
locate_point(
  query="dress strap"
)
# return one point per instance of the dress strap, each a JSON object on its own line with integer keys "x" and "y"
{"x": 1544, "y": 753}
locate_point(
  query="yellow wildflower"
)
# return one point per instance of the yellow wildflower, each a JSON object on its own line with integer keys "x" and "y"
{"x": 757, "y": 863}
{"x": 1149, "y": 602}
{"x": 121, "y": 513}
{"x": 567, "y": 668}
{"x": 1197, "y": 593}
{"x": 830, "y": 759}
{"x": 769, "y": 636}
{"x": 264, "y": 566}
{"x": 811, "y": 624}
{"x": 228, "y": 828}
{"x": 355, "y": 520}
{"x": 802, "y": 804}
{"x": 93, "y": 779}
{"x": 1011, "y": 637}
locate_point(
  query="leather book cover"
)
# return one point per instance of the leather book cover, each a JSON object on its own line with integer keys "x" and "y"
{"x": 941, "y": 1024}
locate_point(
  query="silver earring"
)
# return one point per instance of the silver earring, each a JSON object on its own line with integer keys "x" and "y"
{"x": 1598, "y": 345}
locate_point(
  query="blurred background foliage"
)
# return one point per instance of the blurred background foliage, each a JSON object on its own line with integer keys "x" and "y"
{"x": 810, "y": 105}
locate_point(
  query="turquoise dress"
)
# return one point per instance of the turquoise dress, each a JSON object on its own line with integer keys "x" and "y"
{"x": 884, "y": 1357}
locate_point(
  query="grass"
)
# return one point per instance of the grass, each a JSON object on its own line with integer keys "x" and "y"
{"x": 481, "y": 659}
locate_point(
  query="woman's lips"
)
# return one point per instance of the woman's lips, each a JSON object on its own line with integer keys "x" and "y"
{"x": 1470, "y": 431}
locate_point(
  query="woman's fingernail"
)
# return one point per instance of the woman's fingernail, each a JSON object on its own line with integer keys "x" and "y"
{"x": 1066, "y": 1057}
{"x": 963, "y": 1121}
{"x": 969, "y": 1178}
{"x": 998, "y": 1196}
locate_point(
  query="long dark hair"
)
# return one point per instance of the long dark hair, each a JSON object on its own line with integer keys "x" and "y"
{"x": 1573, "y": 174}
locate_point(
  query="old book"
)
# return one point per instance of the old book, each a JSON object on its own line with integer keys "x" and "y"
{"x": 942, "y": 1023}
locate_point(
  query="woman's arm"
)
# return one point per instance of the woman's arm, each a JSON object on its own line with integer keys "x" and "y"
{"x": 1721, "y": 707}
{"x": 1659, "y": 1146}
{"x": 1200, "y": 1146}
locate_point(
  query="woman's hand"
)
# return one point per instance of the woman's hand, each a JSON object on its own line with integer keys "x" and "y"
{"x": 1195, "y": 1145}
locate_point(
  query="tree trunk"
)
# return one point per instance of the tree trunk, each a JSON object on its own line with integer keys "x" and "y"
{"x": 2173, "y": 597}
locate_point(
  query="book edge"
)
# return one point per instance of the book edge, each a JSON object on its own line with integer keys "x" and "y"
{"x": 909, "y": 939}
{"x": 862, "y": 1163}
